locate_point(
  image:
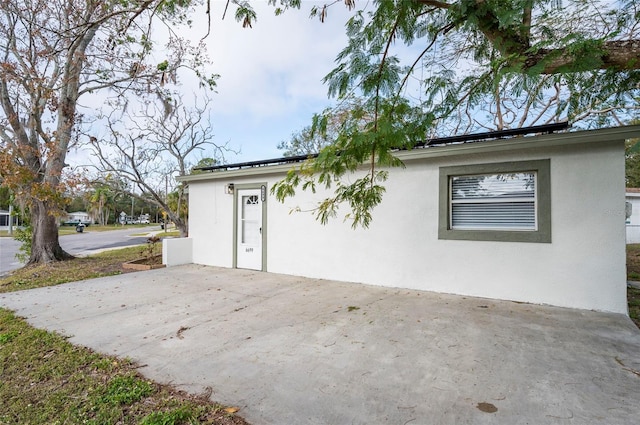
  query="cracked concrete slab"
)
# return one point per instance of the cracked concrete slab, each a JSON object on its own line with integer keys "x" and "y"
{"x": 288, "y": 350}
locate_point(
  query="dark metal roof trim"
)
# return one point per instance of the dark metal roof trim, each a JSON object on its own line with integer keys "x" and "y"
{"x": 260, "y": 163}
{"x": 498, "y": 134}
{"x": 465, "y": 138}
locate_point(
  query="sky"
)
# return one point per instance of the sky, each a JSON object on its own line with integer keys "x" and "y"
{"x": 271, "y": 75}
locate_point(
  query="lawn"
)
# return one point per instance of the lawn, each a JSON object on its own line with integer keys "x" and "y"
{"x": 104, "y": 264}
{"x": 47, "y": 380}
{"x": 68, "y": 230}
{"x": 633, "y": 273}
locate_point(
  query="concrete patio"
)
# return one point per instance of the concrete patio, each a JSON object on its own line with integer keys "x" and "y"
{"x": 290, "y": 350}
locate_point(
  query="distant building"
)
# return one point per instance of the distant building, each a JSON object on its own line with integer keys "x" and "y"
{"x": 4, "y": 220}
{"x": 632, "y": 198}
{"x": 79, "y": 216}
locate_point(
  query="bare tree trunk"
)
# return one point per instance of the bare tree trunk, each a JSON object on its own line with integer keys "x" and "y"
{"x": 45, "y": 244}
{"x": 181, "y": 225}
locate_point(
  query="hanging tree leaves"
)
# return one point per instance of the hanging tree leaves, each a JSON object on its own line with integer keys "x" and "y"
{"x": 428, "y": 68}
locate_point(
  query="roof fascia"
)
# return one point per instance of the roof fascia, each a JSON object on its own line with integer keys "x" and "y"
{"x": 587, "y": 137}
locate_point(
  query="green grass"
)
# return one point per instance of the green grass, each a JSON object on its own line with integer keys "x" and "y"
{"x": 633, "y": 300}
{"x": 47, "y": 380}
{"x": 162, "y": 234}
{"x": 633, "y": 273}
{"x": 171, "y": 233}
{"x": 104, "y": 264}
{"x": 69, "y": 230}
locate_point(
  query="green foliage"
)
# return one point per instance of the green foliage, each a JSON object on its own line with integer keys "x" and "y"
{"x": 203, "y": 163}
{"x": 632, "y": 161}
{"x": 177, "y": 202}
{"x": 163, "y": 66}
{"x": 282, "y": 5}
{"x": 632, "y": 166}
{"x": 325, "y": 128}
{"x": 5, "y": 197}
{"x": 79, "y": 48}
{"x": 7, "y": 337}
{"x": 303, "y": 142}
{"x": 476, "y": 65}
{"x": 126, "y": 390}
{"x": 46, "y": 380}
{"x": 104, "y": 264}
{"x": 174, "y": 417}
{"x": 245, "y": 13}
{"x": 25, "y": 236}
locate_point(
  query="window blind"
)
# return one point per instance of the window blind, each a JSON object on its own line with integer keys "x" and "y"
{"x": 494, "y": 201}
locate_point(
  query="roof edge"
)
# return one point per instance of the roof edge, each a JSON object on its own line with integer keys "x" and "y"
{"x": 603, "y": 135}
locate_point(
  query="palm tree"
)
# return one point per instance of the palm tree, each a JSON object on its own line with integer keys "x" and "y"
{"x": 100, "y": 200}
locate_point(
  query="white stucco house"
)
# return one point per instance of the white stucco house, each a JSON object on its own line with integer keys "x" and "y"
{"x": 633, "y": 215}
{"x": 79, "y": 216}
{"x": 537, "y": 219}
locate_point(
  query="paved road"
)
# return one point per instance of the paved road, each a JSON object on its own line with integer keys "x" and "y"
{"x": 77, "y": 244}
{"x": 8, "y": 249}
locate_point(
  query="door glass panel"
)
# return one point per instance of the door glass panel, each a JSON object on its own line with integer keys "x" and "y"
{"x": 250, "y": 227}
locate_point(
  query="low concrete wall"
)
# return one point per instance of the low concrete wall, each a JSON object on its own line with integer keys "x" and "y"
{"x": 177, "y": 251}
{"x": 633, "y": 233}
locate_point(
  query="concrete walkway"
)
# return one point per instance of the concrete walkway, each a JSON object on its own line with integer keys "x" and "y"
{"x": 289, "y": 350}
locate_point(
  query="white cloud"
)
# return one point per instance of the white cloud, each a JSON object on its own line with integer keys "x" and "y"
{"x": 277, "y": 62}
{"x": 271, "y": 74}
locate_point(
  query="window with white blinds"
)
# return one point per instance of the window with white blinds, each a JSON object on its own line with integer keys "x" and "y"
{"x": 494, "y": 201}
{"x": 502, "y": 201}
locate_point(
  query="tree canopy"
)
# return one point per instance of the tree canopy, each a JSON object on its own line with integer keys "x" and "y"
{"x": 428, "y": 68}
{"x": 54, "y": 53}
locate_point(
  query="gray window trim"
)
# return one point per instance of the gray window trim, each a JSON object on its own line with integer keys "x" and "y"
{"x": 543, "y": 235}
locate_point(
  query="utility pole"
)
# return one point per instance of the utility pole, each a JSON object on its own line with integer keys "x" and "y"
{"x": 166, "y": 200}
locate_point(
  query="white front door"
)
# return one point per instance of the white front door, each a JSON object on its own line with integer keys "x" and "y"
{"x": 249, "y": 236}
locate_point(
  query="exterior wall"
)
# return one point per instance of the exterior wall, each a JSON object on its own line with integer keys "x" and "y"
{"x": 633, "y": 222}
{"x": 4, "y": 220}
{"x": 79, "y": 215}
{"x": 582, "y": 267}
{"x": 177, "y": 251}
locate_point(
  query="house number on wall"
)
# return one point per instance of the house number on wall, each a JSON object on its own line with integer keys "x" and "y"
{"x": 248, "y": 250}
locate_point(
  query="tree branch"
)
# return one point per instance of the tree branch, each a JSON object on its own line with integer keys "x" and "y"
{"x": 435, "y": 3}
{"x": 617, "y": 54}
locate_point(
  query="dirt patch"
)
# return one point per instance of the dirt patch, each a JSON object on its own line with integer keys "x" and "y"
{"x": 487, "y": 407}
{"x": 148, "y": 263}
